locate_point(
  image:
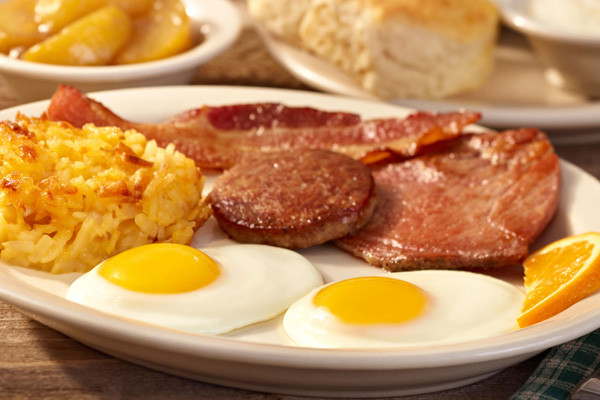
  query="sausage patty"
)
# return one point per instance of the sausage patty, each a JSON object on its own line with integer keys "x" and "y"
{"x": 293, "y": 199}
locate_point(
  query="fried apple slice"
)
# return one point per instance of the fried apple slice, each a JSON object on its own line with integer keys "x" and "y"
{"x": 53, "y": 15}
{"x": 134, "y": 8}
{"x": 165, "y": 31}
{"x": 17, "y": 24}
{"x": 93, "y": 39}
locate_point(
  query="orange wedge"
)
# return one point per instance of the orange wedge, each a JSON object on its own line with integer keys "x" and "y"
{"x": 559, "y": 275}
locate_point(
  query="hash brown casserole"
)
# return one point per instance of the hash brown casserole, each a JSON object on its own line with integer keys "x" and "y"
{"x": 70, "y": 198}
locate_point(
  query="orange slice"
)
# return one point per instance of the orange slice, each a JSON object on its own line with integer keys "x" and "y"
{"x": 559, "y": 275}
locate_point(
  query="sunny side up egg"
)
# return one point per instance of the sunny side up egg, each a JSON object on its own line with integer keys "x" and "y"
{"x": 404, "y": 309}
{"x": 208, "y": 291}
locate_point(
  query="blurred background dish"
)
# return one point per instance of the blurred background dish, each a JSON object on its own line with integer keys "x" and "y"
{"x": 565, "y": 35}
{"x": 216, "y": 25}
{"x": 392, "y": 49}
{"x": 516, "y": 94}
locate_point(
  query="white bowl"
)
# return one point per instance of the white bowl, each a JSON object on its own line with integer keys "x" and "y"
{"x": 217, "y": 20}
{"x": 571, "y": 59}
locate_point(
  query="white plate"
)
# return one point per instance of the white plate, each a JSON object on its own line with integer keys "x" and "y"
{"x": 260, "y": 358}
{"x": 515, "y": 95}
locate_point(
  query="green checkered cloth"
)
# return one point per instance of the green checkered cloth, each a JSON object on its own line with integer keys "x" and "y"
{"x": 562, "y": 369}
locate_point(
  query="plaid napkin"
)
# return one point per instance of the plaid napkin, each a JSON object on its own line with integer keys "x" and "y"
{"x": 562, "y": 369}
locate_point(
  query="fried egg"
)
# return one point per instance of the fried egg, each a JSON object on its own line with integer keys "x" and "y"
{"x": 210, "y": 291}
{"x": 404, "y": 309}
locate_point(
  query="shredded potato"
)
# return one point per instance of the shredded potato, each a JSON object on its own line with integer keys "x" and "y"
{"x": 70, "y": 198}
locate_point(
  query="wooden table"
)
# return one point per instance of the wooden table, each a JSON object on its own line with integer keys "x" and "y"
{"x": 39, "y": 363}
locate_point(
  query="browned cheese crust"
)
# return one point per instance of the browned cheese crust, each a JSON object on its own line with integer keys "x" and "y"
{"x": 293, "y": 199}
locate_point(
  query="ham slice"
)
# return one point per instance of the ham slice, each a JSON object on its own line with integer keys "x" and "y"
{"x": 478, "y": 201}
{"x": 219, "y": 137}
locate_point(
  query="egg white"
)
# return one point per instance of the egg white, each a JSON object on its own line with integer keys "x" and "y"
{"x": 256, "y": 283}
{"x": 461, "y": 306}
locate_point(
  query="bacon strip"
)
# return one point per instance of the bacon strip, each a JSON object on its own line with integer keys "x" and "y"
{"x": 219, "y": 137}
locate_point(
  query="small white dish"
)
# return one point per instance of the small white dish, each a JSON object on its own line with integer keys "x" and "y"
{"x": 218, "y": 21}
{"x": 571, "y": 57}
{"x": 260, "y": 357}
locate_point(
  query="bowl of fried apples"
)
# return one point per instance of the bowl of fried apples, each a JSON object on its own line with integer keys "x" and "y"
{"x": 109, "y": 44}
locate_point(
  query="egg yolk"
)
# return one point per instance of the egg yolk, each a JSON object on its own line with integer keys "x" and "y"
{"x": 160, "y": 268}
{"x": 372, "y": 300}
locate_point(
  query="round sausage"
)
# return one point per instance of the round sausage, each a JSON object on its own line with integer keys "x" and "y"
{"x": 293, "y": 199}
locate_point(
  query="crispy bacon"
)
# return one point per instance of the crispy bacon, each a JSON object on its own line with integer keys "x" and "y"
{"x": 219, "y": 137}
